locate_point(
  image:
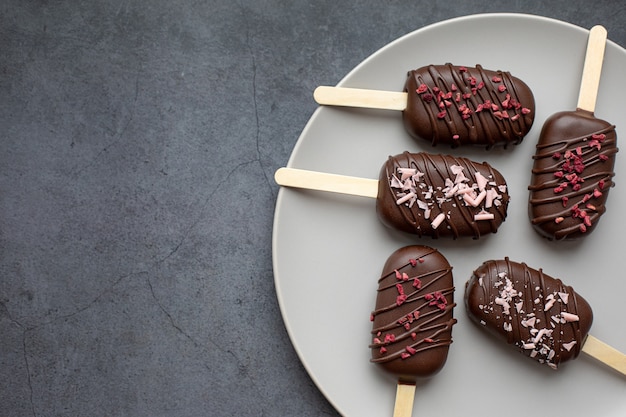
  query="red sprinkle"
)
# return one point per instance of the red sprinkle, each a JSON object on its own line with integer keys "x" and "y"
{"x": 390, "y": 338}
{"x": 422, "y": 89}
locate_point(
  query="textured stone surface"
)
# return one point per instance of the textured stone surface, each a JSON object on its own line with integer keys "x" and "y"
{"x": 135, "y": 137}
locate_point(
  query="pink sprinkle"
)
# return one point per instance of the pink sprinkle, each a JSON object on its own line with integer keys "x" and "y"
{"x": 601, "y": 184}
{"x": 372, "y": 317}
{"x": 421, "y": 260}
{"x": 413, "y": 262}
{"x": 603, "y": 157}
{"x": 422, "y": 89}
{"x": 597, "y": 193}
{"x": 383, "y": 350}
{"x": 400, "y": 299}
{"x": 525, "y": 110}
{"x": 441, "y": 114}
{"x": 413, "y": 335}
{"x": 429, "y": 340}
{"x": 398, "y": 274}
{"x": 377, "y": 341}
{"x": 462, "y": 69}
{"x": 411, "y": 350}
{"x": 417, "y": 283}
{"x": 405, "y": 355}
{"x": 496, "y": 79}
{"x": 502, "y": 88}
{"x": 400, "y": 288}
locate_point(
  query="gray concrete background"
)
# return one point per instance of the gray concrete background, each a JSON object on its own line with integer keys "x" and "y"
{"x": 138, "y": 144}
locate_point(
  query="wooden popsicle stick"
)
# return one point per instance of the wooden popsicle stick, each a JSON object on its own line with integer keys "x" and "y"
{"x": 405, "y": 394}
{"x": 312, "y": 180}
{"x": 592, "y": 69}
{"x": 605, "y": 354}
{"x": 357, "y": 97}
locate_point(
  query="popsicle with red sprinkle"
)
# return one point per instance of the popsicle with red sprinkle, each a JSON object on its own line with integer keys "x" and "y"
{"x": 574, "y": 160}
{"x": 413, "y": 318}
{"x": 450, "y": 104}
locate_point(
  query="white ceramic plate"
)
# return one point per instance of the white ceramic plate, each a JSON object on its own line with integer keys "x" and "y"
{"x": 329, "y": 249}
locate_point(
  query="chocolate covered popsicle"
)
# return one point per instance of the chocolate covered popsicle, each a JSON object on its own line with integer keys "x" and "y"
{"x": 423, "y": 194}
{"x": 536, "y": 314}
{"x": 413, "y": 318}
{"x": 450, "y": 104}
{"x": 573, "y": 163}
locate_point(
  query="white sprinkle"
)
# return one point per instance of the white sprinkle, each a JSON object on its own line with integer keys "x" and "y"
{"x": 570, "y": 345}
{"x": 569, "y": 317}
{"x": 437, "y": 221}
{"x": 564, "y": 296}
{"x": 406, "y": 198}
{"x": 483, "y": 215}
{"x": 481, "y": 181}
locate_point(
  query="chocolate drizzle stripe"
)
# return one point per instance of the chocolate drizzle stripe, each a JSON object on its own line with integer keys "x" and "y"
{"x": 422, "y": 344}
{"x": 413, "y": 298}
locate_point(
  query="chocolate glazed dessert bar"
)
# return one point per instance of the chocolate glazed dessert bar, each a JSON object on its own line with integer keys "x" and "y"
{"x": 460, "y": 105}
{"x": 449, "y": 104}
{"x": 422, "y": 194}
{"x": 412, "y": 321}
{"x": 573, "y": 164}
{"x": 441, "y": 196}
{"x": 413, "y": 318}
{"x": 538, "y": 315}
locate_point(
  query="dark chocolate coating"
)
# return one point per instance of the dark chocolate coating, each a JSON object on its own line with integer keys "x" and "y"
{"x": 467, "y": 106}
{"x": 413, "y": 317}
{"x": 433, "y": 195}
{"x": 533, "y": 312}
{"x": 572, "y": 174}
